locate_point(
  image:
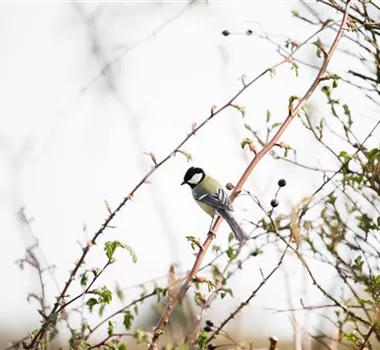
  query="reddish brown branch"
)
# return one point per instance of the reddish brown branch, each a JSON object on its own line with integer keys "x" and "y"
{"x": 292, "y": 113}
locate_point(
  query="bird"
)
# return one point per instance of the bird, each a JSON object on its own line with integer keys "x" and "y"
{"x": 213, "y": 199}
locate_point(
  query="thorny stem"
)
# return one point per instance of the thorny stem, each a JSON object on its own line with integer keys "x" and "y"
{"x": 292, "y": 114}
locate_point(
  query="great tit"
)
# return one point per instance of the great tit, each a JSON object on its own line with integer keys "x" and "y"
{"x": 213, "y": 199}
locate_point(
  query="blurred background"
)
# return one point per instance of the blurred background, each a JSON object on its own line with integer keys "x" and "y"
{"x": 89, "y": 88}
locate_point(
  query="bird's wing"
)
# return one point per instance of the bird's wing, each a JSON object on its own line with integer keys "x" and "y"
{"x": 217, "y": 200}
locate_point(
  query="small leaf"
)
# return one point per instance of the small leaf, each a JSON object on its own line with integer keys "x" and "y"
{"x": 268, "y": 115}
{"x": 84, "y": 279}
{"x": 292, "y": 98}
{"x": 200, "y": 299}
{"x": 202, "y": 340}
{"x": 131, "y": 253}
{"x": 105, "y": 295}
{"x": 119, "y": 292}
{"x": 110, "y": 247}
{"x": 91, "y": 303}
{"x": 128, "y": 319}
{"x": 111, "y": 328}
{"x": 195, "y": 242}
{"x": 248, "y": 127}
{"x": 231, "y": 253}
{"x": 240, "y": 109}
{"x": 250, "y": 144}
{"x": 295, "y": 68}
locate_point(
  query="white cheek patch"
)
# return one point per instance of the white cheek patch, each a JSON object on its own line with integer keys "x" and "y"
{"x": 195, "y": 179}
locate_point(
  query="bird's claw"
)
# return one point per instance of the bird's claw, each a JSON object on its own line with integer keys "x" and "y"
{"x": 212, "y": 233}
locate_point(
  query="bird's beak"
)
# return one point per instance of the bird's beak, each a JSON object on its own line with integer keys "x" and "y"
{"x": 183, "y": 183}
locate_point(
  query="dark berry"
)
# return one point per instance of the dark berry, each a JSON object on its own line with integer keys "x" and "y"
{"x": 209, "y": 323}
{"x": 274, "y": 203}
{"x": 225, "y": 32}
{"x": 281, "y": 182}
{"x": 211, "y": 347}
{"x": 230, "y": 186}
{"x": 207, "y": 329}
{"x": 249, "y": 32}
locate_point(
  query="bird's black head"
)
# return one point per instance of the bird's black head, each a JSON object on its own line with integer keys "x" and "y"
{"x": 193, "y": 176}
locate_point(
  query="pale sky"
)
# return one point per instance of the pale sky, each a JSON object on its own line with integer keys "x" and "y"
{"x": 71, "y": 138}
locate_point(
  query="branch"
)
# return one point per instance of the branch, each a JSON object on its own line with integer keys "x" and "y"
{"x": 366, "y": 339}
{"x": 158, "y": 331}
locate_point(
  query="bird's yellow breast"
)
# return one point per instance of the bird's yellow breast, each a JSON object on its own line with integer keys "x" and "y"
{"x": 208, "y": 209}
{"x": 207, "y": 185}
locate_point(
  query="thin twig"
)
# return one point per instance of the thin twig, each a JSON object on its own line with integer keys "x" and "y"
{"x": 123, "y": 309}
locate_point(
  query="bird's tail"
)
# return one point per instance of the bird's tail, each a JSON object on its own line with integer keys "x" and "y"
{"x": 239, "y": 233}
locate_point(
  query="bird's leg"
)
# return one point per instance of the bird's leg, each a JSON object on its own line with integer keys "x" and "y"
{"x": 210, "y": 231}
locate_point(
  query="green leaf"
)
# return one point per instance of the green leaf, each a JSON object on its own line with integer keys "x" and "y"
{"x": 131, "y": 253}
{"x": 91, "y": 303}
{"x": 111, "y": 328}
{"x": 358, "y": 264}
{"x": 105, "y": 295}
{"x": 202, "y": 340}
{"x": 351, "y": 337}
{"x": 295, "y": 68}
{"x": 268, "y": 115}
{"x": 128, "y": 319}
{"x": 119, "y": 292}
{"x": 319, "y": 45}
{"x": 216, "y": 248}
{"x": 293, "y": 98}
{"x": 275, "y": 125}
{"x": 200, "y": 299}
{"x": 84, "y": 279}
{"x": 326, "y": 90}
{"x": 231, "y": 253}
{"x": 377, "y": 280}
{"x": 245, "y": 142}
{"x": 110, "y": 247}
{"x": 225, "y": 291}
